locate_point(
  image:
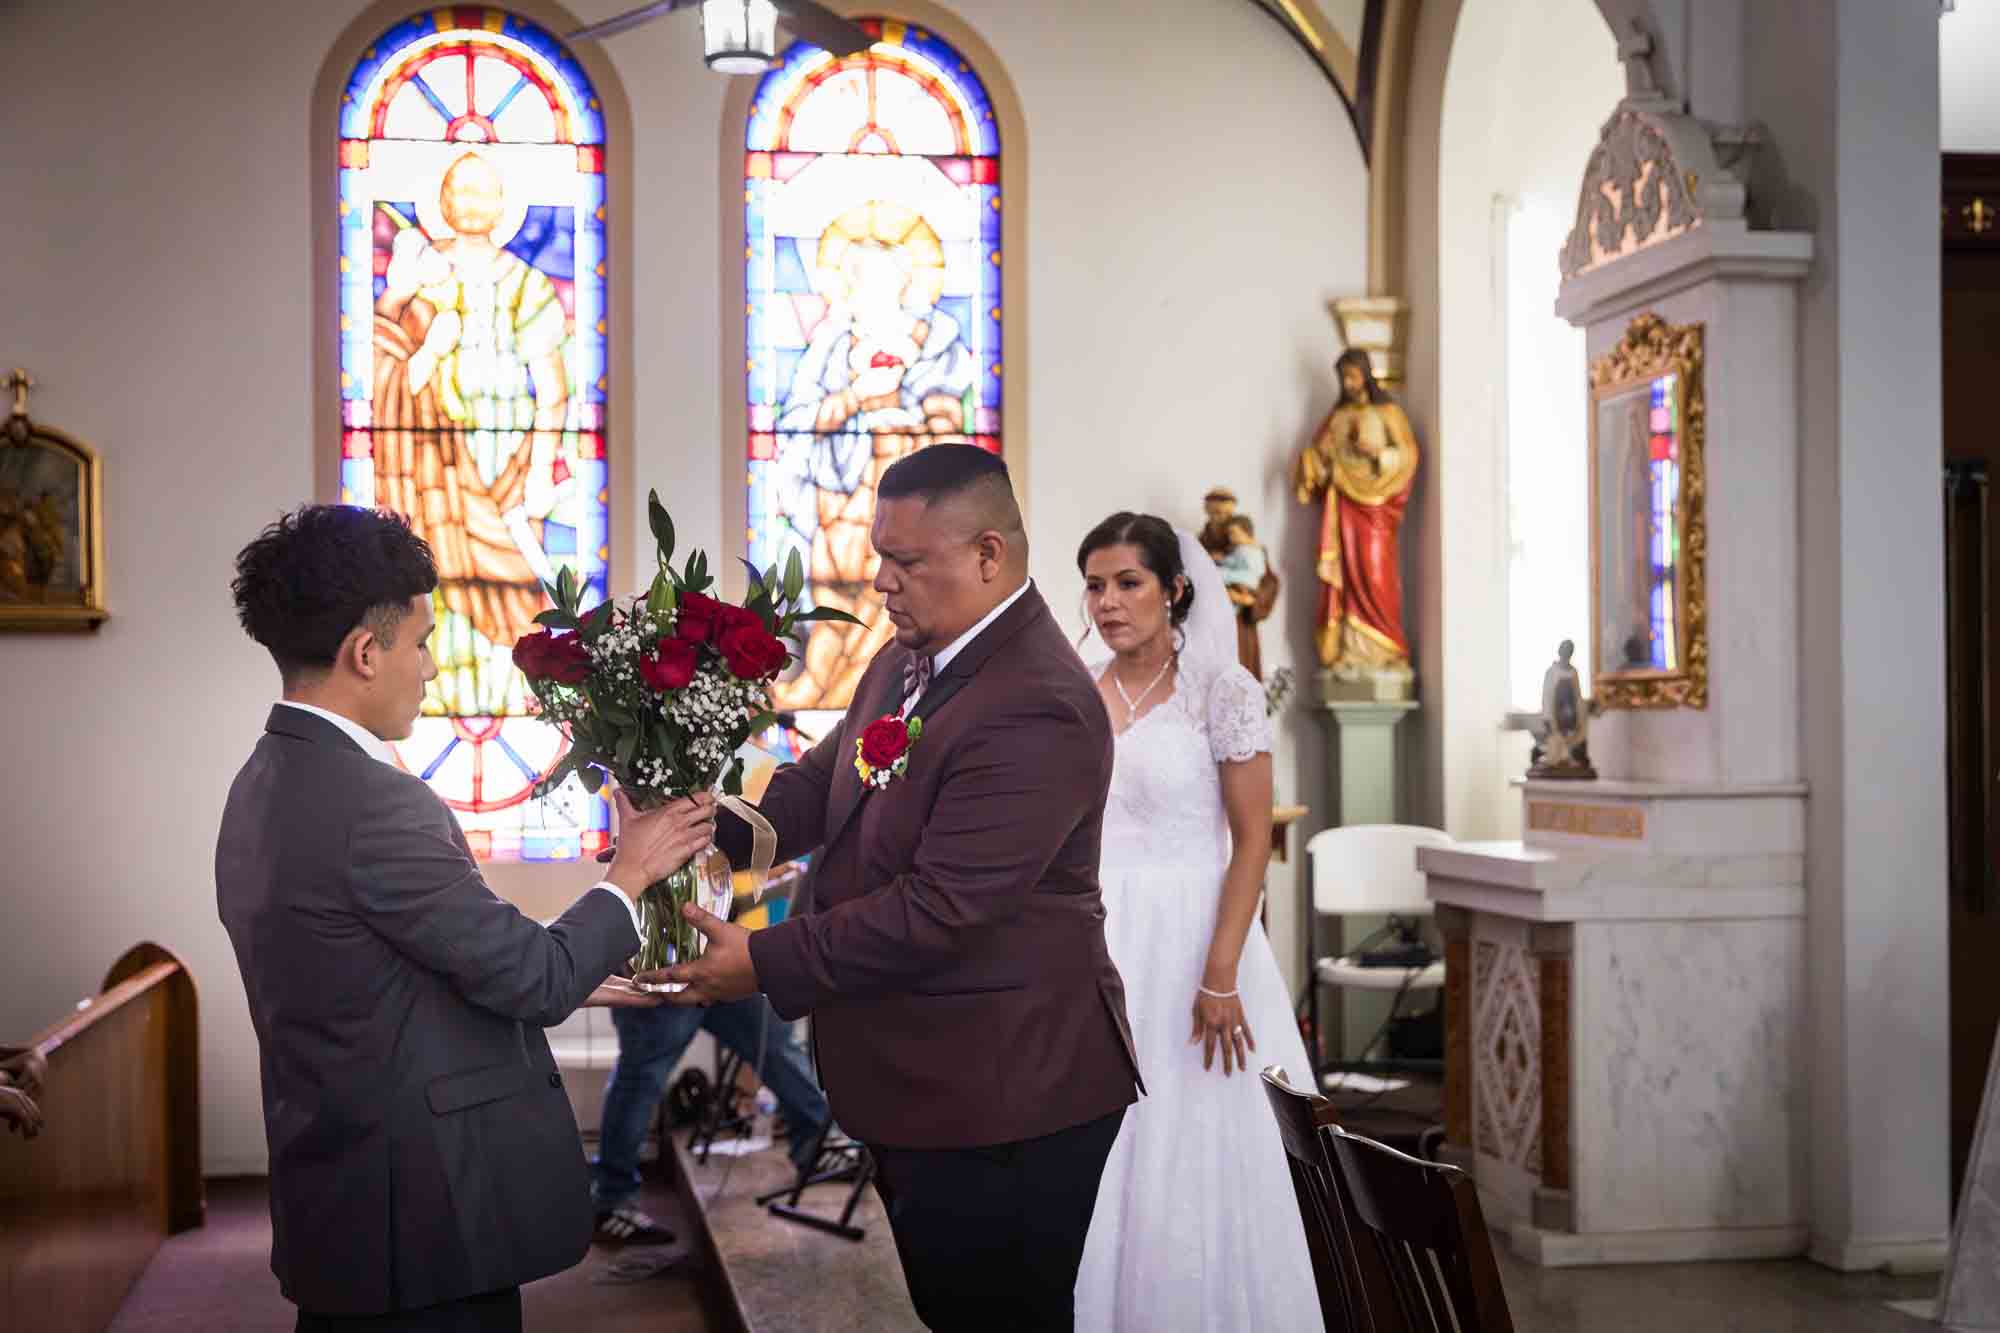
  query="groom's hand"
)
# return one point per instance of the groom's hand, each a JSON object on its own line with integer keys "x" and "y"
{"x": 724, "y": 971}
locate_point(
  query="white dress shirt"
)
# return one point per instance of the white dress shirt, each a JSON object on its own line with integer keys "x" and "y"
{"x": 377, "y": 748}
{"x": 943, "y": 658}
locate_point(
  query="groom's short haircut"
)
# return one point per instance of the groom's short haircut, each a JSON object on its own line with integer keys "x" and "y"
{"x": 314, "y": 575}
{"x": 965, "y": 473}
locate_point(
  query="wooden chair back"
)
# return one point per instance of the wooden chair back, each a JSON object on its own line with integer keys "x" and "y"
{"x": 1300, "y": 1116}
{"x": 1421, "y": 1222}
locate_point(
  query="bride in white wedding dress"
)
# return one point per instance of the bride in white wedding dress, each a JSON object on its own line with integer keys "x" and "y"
{"x": 1196, "y": 1226}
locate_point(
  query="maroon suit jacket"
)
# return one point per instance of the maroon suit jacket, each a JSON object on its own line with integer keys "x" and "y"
{"x": 952, "y": 949}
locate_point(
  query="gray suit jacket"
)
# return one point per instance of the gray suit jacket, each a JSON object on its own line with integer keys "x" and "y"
{"x": 422, "y": 1148}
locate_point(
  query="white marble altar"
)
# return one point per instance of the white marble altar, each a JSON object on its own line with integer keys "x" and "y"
{"x": 1631, "y": 1085}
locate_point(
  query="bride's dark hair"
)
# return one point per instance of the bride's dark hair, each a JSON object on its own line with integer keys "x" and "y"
{"x": 1159, "y": 551}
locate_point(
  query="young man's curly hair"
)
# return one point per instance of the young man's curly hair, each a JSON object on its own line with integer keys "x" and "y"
{"x": 310, "y": 578}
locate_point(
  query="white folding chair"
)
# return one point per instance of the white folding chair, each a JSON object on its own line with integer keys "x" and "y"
{"x": 1371, "y": 870}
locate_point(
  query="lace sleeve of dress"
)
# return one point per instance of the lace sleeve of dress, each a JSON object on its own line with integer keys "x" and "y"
{"x": 1238, "y": 727}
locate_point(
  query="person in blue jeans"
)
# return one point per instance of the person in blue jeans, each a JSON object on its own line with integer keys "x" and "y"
{"x": 650, "y": 1044}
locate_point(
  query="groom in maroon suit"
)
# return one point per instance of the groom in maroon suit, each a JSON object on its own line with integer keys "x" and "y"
{"x": 969, "y": 1024}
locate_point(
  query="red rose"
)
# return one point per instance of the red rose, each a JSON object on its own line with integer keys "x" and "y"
{"x": 553, "y": 656}
{"x": 528, "y": 650}
{"x": 732, "y": 616}
{"x": 752, "y": 652}
{"x": 701, "y": 618}
{"x": 671, "y": 665}
{"x": 884, "y": 741}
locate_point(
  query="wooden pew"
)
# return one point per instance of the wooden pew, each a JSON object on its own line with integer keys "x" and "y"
{"x": 118, "y": 1166}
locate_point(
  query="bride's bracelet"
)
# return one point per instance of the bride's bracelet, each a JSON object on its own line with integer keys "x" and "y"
{"x": 1217, "y": 994}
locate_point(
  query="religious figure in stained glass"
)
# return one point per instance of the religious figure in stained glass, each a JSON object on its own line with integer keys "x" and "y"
{"x": 885, "y": 372}
{"x": 468, "y": 352}
{"x": 472, "y": 216}
{"x": 873, "y": 227}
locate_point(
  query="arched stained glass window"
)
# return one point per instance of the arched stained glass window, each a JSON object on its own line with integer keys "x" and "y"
{"x": 472, "y": 384}
{"x": 872, "y": 211}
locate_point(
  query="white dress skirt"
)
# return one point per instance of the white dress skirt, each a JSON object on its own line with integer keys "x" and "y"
{"x": 1196, "y": 1225}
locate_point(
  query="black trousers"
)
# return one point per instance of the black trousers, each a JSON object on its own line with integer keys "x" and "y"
{"x": 991, "y": 1238}
{"x": 494, "y": 1312}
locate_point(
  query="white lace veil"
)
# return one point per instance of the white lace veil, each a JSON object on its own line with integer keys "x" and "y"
{"x": 1210, "y": 629}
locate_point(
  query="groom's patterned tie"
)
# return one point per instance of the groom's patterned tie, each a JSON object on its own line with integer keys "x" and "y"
{"x": 916, "y": 677}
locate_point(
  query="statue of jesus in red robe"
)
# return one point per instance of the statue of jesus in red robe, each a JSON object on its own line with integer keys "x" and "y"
{"x": 1360, "y": 467}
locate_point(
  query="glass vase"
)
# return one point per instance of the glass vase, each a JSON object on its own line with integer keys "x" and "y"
{"x": 666, "y": 937}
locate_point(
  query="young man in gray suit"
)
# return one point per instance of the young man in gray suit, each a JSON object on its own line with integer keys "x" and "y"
{"x": 424, "y": 1158}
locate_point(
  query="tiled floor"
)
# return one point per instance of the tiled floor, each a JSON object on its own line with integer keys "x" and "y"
{"x": 795, "y": 1280}
{"x": 1788, "y": 1296}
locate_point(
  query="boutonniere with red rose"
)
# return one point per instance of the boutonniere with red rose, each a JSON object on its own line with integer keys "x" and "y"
{"x": 883, "y": 753}
{"x": 660, "y": 691}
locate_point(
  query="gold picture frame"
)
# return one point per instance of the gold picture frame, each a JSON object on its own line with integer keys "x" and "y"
{"x": 51, "y": 525}
{"x": 1648, "y": 527}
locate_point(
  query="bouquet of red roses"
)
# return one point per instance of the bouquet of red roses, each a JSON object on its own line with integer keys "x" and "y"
{"x": 659, "y": 692}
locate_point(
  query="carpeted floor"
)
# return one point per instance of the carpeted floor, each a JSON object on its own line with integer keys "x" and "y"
{"x": 217, "y": 1279}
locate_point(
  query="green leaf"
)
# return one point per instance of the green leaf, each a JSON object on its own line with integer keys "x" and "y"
{"x": 662, "y": 524}
{"x": 556, "y": 618}
{"x": 593, "y": 779}
{"x": 696, "y": 579}
{"x": 795, "y": 576}
{"x": 763, "y": 721}
{"x": 826, "y": 613}
{"x": 628, "y": 749}
{"x": 599, "y": 619}
{"x": 756, "y": 579}
{"x": 732, "y": 781}
{"x": 567, "y": 593}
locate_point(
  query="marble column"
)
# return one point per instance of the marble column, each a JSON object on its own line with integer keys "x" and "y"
{"x": 1367, "y": 762}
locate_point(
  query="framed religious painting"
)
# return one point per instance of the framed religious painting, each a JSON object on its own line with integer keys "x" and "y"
{"x": 1648, "y": 534}
{"x": 51, "y": 525}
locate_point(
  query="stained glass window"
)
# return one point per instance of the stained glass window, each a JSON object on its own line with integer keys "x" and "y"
{"x": 472, "y": 385}
{"x": 872, "y": 212}
{"x": 1663, "y": 462}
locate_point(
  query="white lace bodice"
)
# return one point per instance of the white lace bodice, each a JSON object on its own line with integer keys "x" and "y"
{"x": 1166, "y": 795}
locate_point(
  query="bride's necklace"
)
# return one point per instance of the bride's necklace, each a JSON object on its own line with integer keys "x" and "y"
{"x": 1132, "y": 704}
